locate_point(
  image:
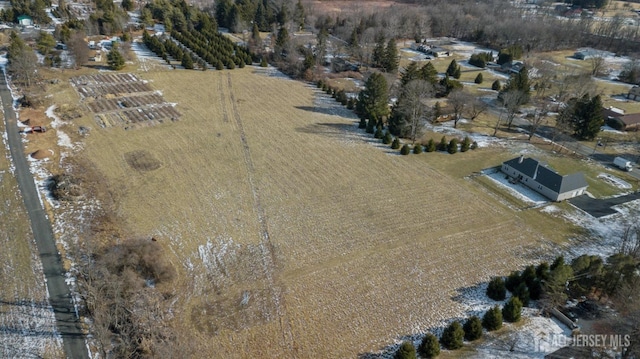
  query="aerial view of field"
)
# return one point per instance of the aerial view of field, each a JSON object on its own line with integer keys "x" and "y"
{"x": 292, "y": 233}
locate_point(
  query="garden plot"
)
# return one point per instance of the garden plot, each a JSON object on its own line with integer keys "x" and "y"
{"x": 123, "y": 100}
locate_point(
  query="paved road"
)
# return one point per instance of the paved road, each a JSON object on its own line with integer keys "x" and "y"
{"x": 67, "y": 321}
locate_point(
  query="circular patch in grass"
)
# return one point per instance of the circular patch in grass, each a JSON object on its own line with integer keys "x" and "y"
{"x": 142, "y": 160}
{"x": 42, "y": 154}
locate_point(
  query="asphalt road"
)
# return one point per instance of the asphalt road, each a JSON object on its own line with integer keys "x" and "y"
{"x": 68, "y": 322}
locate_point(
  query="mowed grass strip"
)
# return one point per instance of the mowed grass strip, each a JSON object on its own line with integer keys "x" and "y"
{"x": 368, "y": 245}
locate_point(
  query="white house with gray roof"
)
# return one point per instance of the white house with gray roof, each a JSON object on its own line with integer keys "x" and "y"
{"x": 544, "y": 180}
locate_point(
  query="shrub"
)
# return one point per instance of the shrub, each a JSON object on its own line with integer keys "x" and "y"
{"x": 351, "y": 103}
{"x": 363, "y": 123}
{"x": 417, "y": 149}
{"x": 319, "y": 84}
{"x": 453, "y": 146}
{"x": 478, "y": 79}
{"x": 431, "y": 145}
{"x": 406, "y": 351}
{"x": 528, "y": 275}
{"x": 405, "y": 150}
{"x": 452, "y": 336}
{"x": 472, "y": 329}
{"x": 263, "y": 62}
{"x": 543, "y": 271}
{"x": 395, "y": 144}
{"x": 512, "y": 310}
{"x": 513, "y": 281}
{"x": 496, "y": 289}
{"x": 466, "y": 143}
{"x": 429, "y": 347}
{"x": 379, "y": 133}
{"x": 442, "y": 145}
{"x": 535, "y": 290}
{"x": 492, "y": 319}
{"x": 371, "y": 126}
{"x": 474, "y": 145}
{"x": 387, "y": 139}
{"x": 496, "y": 85}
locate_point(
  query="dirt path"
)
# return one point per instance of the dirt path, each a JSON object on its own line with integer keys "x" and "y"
{"x": 266, "y": 246}
{"x": 67, "y": 321}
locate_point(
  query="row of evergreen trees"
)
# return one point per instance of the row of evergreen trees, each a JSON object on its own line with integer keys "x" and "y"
{"x": 167, "y": 47}
{"x": 454, "y": 335}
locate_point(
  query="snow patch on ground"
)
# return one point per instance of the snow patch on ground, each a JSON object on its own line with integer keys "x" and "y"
{"x": 63, "y": 138}
{"x": 615, "y": 181}
{"x": 517, "y": 189}
{"x": 144, "y": 56}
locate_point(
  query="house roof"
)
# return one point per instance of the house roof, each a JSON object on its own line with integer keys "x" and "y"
{"x": 630, "y": 119}
{"x": 24, "y": 17}
{"x": 546, "y": 176}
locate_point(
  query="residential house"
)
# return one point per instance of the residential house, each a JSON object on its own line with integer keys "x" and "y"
{"x": 438, "y": 52}
{"x": 634, "y": 93}
{"x": 543, "y": 179}
{"x": 616, "y": 118}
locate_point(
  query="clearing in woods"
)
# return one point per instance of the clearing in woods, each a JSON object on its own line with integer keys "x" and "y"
{"x": 293, "y": 233}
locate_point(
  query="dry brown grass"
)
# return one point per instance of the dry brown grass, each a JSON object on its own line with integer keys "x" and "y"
{"x": 364, "y": 245}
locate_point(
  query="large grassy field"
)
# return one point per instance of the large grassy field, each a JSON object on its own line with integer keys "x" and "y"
{"x": 294, "y": 234}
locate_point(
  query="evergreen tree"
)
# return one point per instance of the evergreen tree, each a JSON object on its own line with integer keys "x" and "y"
{"x": 363, "y": 123}
{"x": 496, "y": 85}
{"x": 442, "y": 145}
{"x": 395, "y": 144}
{"x": 429, "y": 347}
{"x": 373, "y": 101}
{"x": 453, "y": 68}
{"x": 405, "y": 150}
{"x": 45, "y": 43}
{"x": 479, "y": 78}
{"x": 371, "y": 126}
{"x": 452, "y": 336}
{"x": 411, "y": 72}
{"x": 466, "y": 144}
{"x": 282, "y": 40}
{"x": 496, "y": 289}
{"x": 391, "y": 56}
{"x": 519, "y": 82}
{"x": 128, "y": 5}
{"x": 417, "y": 149}
{"x": 378, "y": 134}
{"x": 387, "y": 139}
{"x": 299, "y": 15}
{"x": 522, "y": 292}
{"x": 431, "y": 145}
{"x": 187, "y": 61}
{"x": 378, "y": 55}
{"x": 406, "y": 351}
{"x": 512, "y": 310}
{"x": 429, "y": 73}
{"x": 115, "y": 60}
{"x": 453, "y": 146}
{"x": 492, "y": 319}
{"x": 513, "y": 281}
{"x": 263, "y": 62}
{"x": 543, "y": 271}
{"x": 472, "y": 328}
{"x": 437, "y": 110}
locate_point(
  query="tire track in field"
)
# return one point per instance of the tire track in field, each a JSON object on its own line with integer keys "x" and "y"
{"x": 266, "y": 245}
{"x": 225, "y": 114}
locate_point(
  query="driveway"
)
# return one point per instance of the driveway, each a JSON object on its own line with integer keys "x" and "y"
{"x": 602, "y": 207}
{"x": 67, "y": 321}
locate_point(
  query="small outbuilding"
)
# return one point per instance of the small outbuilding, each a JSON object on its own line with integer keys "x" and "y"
{"x": 25, "y": 20}
{"x": 634, "y": 93}
{"x": 543, "y": 179}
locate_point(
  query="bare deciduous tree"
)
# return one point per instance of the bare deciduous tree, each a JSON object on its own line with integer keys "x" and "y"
{"x": 539, "y": 118}
{"x": 476, "y": 107}
{"x": 512, "y": 100}
{"x": 78, "y": 48}
{"x": 458, "y": 100}
{"x": 413, "y": 107}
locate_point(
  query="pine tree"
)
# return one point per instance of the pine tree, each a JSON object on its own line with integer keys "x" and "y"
{"x": 379, "y": 134}
{"x": 512, "y": 310}
{"x": 431, "y": 145}
{"x": 115, "y": 60}
{"x": 263, "y": 62}
{"x": 373, "y": 101}
{"x": 513, "y": 281}
{"x": 391, "y": 56}
{"x": 522, "y": 292}
{"x": 406, "y": 351}
{"x": 472, "y": 328}
{"x": 466, "y": 143}
{"x": 411, "y": 72}
{"x": 442, "y": 146}
{"x": 429, "y": 73}
{"x": 405, "y": 150}
{"x": 387, "y": 139}
{"x": 378, "y": 55}
{"x": 496, "y": 289}
{"x": 496, "y": 85}
{"x": 453, "y": 67}
{"x": 453, "y": 146}
{"x": 492, "y": 319}
{"x": 417, "y": 149}
{"x": 452, "y": 336}
{"x": 479, "y": 78}
{"x": 429, "y": 347}
{"x": 395, "y": 144}
{"x": 187, "y": 61}
{"x": 371, "y": 126}
{"x": 363, "y": 123}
